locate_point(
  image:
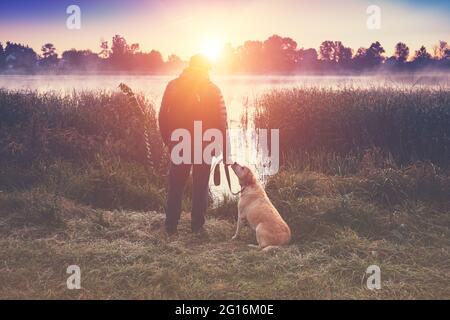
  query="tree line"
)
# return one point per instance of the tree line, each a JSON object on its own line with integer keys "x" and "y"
{"x": 119, "y": 56}
{"x": 282, "y": 55}
{"x": 274, "y": 55}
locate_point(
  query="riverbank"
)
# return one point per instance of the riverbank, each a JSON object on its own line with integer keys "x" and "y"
{"x": 76, "y": 188}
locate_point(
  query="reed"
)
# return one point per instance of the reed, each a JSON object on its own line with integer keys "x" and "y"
{"x": 402, "y": 125}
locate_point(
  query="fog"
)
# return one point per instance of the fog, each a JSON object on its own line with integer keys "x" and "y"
{"x": 237, "y": 89}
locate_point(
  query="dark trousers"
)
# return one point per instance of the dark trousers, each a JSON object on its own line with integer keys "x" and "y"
{"x": 178, "y": 175}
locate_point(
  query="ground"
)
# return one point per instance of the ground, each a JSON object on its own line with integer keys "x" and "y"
{"x": 125, "y": 254}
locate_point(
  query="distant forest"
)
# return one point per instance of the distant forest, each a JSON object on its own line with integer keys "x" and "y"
{"x": 276, "y": 55}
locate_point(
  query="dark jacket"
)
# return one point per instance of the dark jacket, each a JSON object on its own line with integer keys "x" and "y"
{"x": 191, "y": 97}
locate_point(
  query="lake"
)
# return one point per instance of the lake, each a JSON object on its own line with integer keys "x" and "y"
{"x": 238, "y": 91}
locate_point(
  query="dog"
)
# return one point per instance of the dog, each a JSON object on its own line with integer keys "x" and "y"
{"x": 255, "y": 207}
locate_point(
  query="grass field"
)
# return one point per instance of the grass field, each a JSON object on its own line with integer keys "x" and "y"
{"x": 75, "y": 189}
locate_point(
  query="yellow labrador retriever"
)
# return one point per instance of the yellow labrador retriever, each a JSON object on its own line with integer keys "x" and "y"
{"x": 254, "y": 205}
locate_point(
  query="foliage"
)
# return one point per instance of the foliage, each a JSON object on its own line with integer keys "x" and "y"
{"x": 276, "y": 54}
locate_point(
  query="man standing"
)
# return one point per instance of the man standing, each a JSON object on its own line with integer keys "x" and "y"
{"x": 190, "y": 97}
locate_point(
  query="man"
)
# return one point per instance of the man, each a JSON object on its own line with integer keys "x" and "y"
{"x": 188, "y": 98}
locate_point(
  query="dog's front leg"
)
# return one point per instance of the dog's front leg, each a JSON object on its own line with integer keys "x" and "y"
{"x": 240, "y": 220}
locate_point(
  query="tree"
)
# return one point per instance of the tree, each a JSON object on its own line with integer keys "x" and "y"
{"x": 335, "y": 51}
{"x": 374, "y": 53}
{"x": 80, "y": 59}
{"x": 123, "y": 56}
{"x": 174, "y": 63}
{"x": 342, "y": 54}
{"x": 326, "y": 51}
{"x": 361, "y": 52}
{"x": 441, "y": 51}
{"x": 2, "y": 56}
{"x": 280, "y": 54}
{"x": 251, "y": 56}
{"x": 401, "y": 52}
{"x": 308, "y": 55}
{"x": 48, "y": 50}
{"x": 421, "y": 55}
{"x": 19, "y": 56}
{"x": 155, "y": 60}
{"x": 307, "y": 58}
{"x": 105, "y": 52}
{"x": 119, "y": 57}
{"x": 119, "y": 46}
{"x": 49, "y": 55}
{"x": 370, "y": 57}
{"x": 133, "y": 48}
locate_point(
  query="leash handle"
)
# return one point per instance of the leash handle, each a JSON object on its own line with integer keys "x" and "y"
{"x": 216, "y": 176}
{"x": 227, "y": 174}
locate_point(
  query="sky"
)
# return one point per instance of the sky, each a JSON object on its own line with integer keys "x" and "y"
{"x": 186, "y": 27}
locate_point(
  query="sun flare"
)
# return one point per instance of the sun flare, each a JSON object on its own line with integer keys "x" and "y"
{"x": 212, "y": 48}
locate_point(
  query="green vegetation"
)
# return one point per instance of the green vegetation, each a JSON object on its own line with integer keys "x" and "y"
{"x": 75, "y": 188}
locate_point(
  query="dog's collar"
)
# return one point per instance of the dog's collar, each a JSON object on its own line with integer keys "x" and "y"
{"x": 244, "y": 187}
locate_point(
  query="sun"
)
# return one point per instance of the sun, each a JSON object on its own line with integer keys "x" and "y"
{"x": 212, "y": 48}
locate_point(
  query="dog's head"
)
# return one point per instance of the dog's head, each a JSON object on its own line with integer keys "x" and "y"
{"x": 245, "y": 175}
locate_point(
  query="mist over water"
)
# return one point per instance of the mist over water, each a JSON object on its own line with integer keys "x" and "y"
{"x": 238, "y": 92}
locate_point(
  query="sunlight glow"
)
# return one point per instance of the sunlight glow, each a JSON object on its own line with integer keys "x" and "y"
{"x": 212, "y": 48}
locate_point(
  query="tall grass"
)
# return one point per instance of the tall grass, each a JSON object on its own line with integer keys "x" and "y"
{"x": 88, "y": 146}
{"x": 403, "y": 125}
{"x": 76, "y": 127}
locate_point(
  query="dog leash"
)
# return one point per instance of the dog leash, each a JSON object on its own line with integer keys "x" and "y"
{"x": 227, "y": 175}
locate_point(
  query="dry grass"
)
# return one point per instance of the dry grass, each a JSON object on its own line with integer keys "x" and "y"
{"x": 124, "y": 254}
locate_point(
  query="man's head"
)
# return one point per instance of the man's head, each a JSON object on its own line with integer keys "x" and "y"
{"x": 200, "y": 62}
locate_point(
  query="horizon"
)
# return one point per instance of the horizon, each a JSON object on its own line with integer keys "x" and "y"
{"x": 205, "y": 27}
